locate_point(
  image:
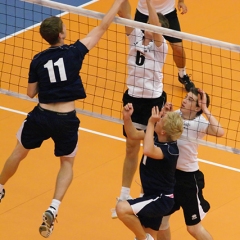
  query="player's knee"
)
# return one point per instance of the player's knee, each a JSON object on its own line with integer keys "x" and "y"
{"x": 132, "y": 149}
{"x": 165, "y": 223}
{"x": 121, "y": 209}
{"x": 195, "y": 230}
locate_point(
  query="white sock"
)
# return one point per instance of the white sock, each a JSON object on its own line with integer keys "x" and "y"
{"x": 55, "y": 204}
{"x": 144, "y": 239}
{"x": 141, "y": 194}
{"x": 1, "y": 187}
{"x": 124, "y": 194}
{"x": 182, "y": 72}
{"x": 149, "y": 237}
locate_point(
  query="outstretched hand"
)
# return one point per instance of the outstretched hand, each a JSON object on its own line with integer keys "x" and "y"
{"x": 156, "y": 115}
{"x": 168, "y": 107}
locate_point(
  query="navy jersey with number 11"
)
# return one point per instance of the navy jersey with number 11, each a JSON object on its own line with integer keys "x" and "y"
{"x": 57, "y": 72}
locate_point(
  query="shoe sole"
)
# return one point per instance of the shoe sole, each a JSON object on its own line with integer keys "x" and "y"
{"x": 45, "y": 229}
{"x": 47, "y": 218}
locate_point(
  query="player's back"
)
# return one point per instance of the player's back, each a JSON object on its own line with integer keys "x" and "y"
{"x": 57, "y": 72}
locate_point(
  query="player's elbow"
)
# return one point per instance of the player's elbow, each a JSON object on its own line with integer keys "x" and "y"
{"x": 220, "y": 132}
{"x": 123, "y": 14}
{"x": 147, "y": 151}
{"x": 31, "y": 94}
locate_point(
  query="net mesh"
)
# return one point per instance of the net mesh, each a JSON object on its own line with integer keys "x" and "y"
{"x": 213, "y": 65}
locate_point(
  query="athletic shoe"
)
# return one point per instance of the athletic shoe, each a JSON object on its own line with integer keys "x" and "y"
{"x": 47, "y": 226}
{"x": 186, "y": 81}
{"x": 2, "y": 194}
{"x": 113, "y": 210}
{"x": 149, "y": 237}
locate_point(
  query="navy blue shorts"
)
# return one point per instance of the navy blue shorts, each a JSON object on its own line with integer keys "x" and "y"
{"x": 172, "y": 19}
{"x": 151, "y": 209}
{"x": 42, "y": 124}
{"x": 143, "y": 107}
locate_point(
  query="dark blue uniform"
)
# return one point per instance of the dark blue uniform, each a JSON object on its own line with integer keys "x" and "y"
{"x": 157, "y": 178}
{"x": 56, "y": 70}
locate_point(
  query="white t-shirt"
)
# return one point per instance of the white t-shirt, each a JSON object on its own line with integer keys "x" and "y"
{"x": 188, "y": 151}
{"x": 162, "y": 6}
{"x": 145, "y": 65}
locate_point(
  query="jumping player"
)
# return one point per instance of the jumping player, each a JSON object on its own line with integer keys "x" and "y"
{"x": 54, "y": 76}
{"x": 167, "y": 8}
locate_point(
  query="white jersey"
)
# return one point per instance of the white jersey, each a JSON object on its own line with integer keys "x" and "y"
{"x": 162, "y": 6}
{"x": 188, "y": 151}
{"x": 145, "y": 65}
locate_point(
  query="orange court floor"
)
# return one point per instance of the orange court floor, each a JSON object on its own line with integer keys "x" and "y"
{"x": 85, "y": 211}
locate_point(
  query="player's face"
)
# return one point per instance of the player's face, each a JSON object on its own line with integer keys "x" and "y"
{"x": 189, "y": 103}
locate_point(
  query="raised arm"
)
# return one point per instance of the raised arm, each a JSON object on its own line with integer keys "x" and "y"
{"x": 125, "y": 12}
{"x": 95, "y": 34}
{"x": 130, "y": 130}
{"x": 154, "y": 20}
{"x": 148, "y": 144}
{"x": 214, "y": 127}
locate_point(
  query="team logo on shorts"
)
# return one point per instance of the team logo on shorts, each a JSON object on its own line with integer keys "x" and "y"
{"x": 194, "y": 216}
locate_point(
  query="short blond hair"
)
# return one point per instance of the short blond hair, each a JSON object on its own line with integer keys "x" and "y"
{"x": 173, "y": 126}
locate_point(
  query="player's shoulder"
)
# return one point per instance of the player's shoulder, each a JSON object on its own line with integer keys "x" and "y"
{"x": 173, "y": 148}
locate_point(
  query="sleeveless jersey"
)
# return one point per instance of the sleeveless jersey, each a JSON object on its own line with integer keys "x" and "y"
{"x": 57, "y": 72}
{"x": 145, "y": 65}
{"x": 162, "y": 6}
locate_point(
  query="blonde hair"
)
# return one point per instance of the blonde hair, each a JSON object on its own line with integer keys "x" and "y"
{"x": 173, "y": 126}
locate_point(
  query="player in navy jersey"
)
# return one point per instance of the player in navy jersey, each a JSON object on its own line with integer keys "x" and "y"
{"x": 143, "y": 215}
{"x": 188, "y": 190}
{"x": 146, "y": 57}
{"x": 54, "y": 76}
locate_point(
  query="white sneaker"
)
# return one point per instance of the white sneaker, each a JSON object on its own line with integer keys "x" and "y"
{"x": 47, "y": 226}
{"x": 113, "y": 210}
{"x": 149, "y": 237}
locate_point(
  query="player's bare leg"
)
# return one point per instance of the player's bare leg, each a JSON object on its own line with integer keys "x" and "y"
{"x": 11, "y": 165}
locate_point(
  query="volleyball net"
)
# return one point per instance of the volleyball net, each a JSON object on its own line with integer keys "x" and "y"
{"x": 213, "y": 65}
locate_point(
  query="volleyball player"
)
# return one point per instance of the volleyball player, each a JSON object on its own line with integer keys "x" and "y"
{"x": 147, "y": 53}
{"x": 157, "y": 168}
{"x": 188, "y": 191}
{"x": 54, "y": 76}
{"x": 167, "y": 8}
